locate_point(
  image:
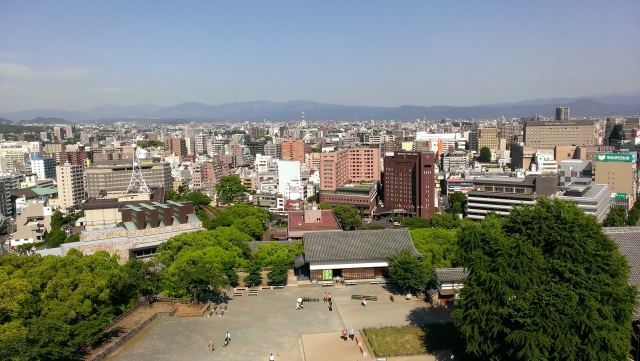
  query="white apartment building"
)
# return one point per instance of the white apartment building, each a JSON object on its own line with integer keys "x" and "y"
{"x": 70, "y": 180}
{"x": 44, "y": 167}
{"x": 289, "y": 178}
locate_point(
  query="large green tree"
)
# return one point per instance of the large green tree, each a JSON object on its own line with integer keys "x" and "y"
{"x": 230, "y": 189}
{"x": 546, "y": 284}
{"x": 348, "y": 217}
{"x": 270, "y": 253}
{"x": 484, "y": 156}
{"x": 617, "y": 217}
{"x": 278, "y": 272}
{"x": 439, "y": 247}
{"x": 251, "y": 226}
{"x": 447, "y": 221}
{"x": 409, "y": 273}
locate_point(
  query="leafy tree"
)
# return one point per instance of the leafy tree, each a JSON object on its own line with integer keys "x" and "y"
{"x": 407, "y": 270}
{"x": 268, "y": 138}
{"x": 278, "y": 273}
{"x": 170, "y": 195}
{"x": 485, "y": 155}
{"x": 55, "y": 238}
{"x": 150, "y": 144}
{"x": 198, "y": 199}
{"x": 617, "y": 217}
{"x": 546, "y": 284}
{"x": 348, "y": 217}
{"x": 324, "y": 205}
{"x": 417, "y": 222}
{"x": 633, "y": 217}
{"x": 313, "y": 198}
{"x": 457, "y": 197}
{"x": 57, "y": 220}
{"x": 438, "y": 246}
{"x": 142, "y": 277}
{"x": 271, "y": 253}
{"x": 230, "y": 189}
{"x": 251, "y": 226}
{"x": 254, "y": 276}
{"x": 457, "y": 208}
{"x": 74, "y": 237}
{"x": 447, "y": 221}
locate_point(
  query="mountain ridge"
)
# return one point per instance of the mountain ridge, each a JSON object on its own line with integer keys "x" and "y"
{"x": 610, "y": 105}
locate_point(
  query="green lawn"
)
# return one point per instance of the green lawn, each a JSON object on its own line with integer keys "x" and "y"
{"x": 408, "y": 340}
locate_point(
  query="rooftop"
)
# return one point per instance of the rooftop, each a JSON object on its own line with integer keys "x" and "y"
{"x": 628, "y": 241}
{"x": 357, "y": 245}
{"x": 297, "y": 225}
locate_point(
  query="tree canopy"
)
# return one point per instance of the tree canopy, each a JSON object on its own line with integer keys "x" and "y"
{"x": 51, "y": 308}
{"x": 617, "y": 217}
{"x": 230, "y": 189}
{"x": 546, "y": 284}
{"x": 484, "y": 156}
{"x": 348, "y": 217}
{"x": 271, "y": 253}
{"x": 408, "y": 272}
{"x": 439, "y": 247}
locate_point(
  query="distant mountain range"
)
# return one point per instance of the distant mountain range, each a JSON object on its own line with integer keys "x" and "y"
{"x": 600, "y": 105}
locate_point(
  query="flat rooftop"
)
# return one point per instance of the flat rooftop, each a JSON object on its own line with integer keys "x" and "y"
{"x": 328, "y": 222}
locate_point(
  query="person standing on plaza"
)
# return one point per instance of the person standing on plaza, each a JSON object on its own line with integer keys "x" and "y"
{"x": 330, "y": 306}
{"x": 352, "y": 333}
{"x": 271, "y": 358}
{"x": 325, "y": 298}
{"x": 228, "y": 336}
{"x": 329, "y": 297}
{"x": 211, "y": 347}
{"x": 297, "y": 305}
{"x": 364, "y": 302}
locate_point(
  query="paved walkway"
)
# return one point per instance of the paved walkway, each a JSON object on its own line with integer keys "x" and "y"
{"x": 260, "y": 325}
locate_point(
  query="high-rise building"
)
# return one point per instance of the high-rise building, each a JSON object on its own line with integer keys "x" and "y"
{"x": 289, "y": 179}
{"x": 178, "y": 146}
{"x": 618, "y": 171}
{"x": 273, "y": 150}
{"x": 546, "y": 135}
{"x": 562, "y": 113}
{"x": 44, "y": 167}
{"x": 201, "y": 144}
{"x": 294, "y": 150}
{"x": 115, "y": 176}
{"x": 409, "y": 183}
{"x": 70, "y": 179}
{"x": 483, "y": 137}
{"x": 44, "y": 136}
{"x": 350, "y": 165}
{"x": 68, "y": 131}
{"x": 58, "y": 133}
{"x": 7, "y": 182}
{"x": 509, "y": 131}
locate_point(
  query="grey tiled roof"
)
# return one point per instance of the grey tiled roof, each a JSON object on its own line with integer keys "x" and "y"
{"x": 356, "y": 245}
{"x": 628, "y": 241}
{"x": 451, "y": 274}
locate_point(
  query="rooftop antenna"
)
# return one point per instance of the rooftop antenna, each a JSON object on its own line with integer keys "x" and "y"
{"x": 137, "y": 183}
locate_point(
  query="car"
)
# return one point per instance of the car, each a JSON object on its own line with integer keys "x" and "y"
{"x": 396, "y": 223}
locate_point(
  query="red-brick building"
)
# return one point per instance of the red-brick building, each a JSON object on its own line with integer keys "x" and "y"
{"x": 409, "y": 183}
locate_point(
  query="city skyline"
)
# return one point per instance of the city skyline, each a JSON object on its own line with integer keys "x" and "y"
{"x": 76, "y": 56}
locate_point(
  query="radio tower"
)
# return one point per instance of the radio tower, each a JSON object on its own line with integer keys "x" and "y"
{"x": 303, "y": 123}
{"x": 137, "y": 183}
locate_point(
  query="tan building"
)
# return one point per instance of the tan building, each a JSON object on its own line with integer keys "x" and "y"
{"x": 177, "y": 146}
{"x": 294, "y": 150}
{"x": 115, "y": 175}
{"x": 558, "y": 133}
{"x": 488, "y": 137}
{"x": 350, "y": 165}
{"x": 70, "y": 179}
{"x": 618, "y": 171}
{"x": 32, "y": 225}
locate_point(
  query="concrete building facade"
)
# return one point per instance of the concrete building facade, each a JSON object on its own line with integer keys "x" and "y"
{"x": 70, "y": 179}
{"x": 114, "y": 176}
{"x": 550, "y": 134}
{"x": 409, "y": 183}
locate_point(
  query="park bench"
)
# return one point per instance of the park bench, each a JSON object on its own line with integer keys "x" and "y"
{"x": 368, "y": 298}
{"x": 307, "y": 299}
{"x": 266, "y": 287}
{"x": 327, "y": 284}
{"x": 277, "y": 286}
{"x": 252, "y": 292}
{"x": 374, "y": 282}
{"x": 350, "y": 283}
{"x": 361, "y": 346}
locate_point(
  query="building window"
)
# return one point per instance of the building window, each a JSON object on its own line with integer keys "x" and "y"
{"x": 488, "y": 189}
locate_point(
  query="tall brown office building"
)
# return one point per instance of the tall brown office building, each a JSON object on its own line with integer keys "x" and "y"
{"x": 178, "y": 146}
{"x": 546, "y": 135}
{"x": 562, "y": 113}
{"x": 409, "y": 182}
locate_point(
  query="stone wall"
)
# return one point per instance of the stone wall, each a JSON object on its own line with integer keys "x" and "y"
{"x": 121, "y": 248}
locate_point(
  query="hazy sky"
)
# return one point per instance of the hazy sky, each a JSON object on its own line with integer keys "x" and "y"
{"x": 77, "y": 55}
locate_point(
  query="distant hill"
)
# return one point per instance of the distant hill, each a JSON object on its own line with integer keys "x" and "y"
{"x": 46, "y": 121}
{"x": 5, "y": 121}
{"x": 601, "y": 105}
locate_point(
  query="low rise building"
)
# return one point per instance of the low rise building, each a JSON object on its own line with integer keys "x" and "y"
{"x": 593, "y": 199}
{"x": 311, "y": 220}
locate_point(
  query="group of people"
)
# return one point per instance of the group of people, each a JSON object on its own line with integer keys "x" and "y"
{"x": 227, "y": 339}
{"x": 327, "y": 299}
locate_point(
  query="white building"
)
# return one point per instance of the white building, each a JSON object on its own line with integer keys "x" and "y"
{"x": 71, "y": 188}
{"x": 263, "y": 163}
{"x": 289, "y": 178}
{"x": 44, "y": 167}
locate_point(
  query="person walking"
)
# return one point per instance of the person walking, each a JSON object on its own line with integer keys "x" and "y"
{"x": 211, "y": 347}
{"x": 228, "y": 336}
{"x": 364, "y": 302}
{"x": 297, "y": 305}
{"x": 271, "y": 358}
{"x": 302, "y": 305}
{"x": 330, "y": 306}
{"x": 352, "y": 333}
{"x": 325, "y": 298}
{"x": 329, "y": 297}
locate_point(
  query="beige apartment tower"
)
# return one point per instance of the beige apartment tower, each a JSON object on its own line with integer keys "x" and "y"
{"x": 546, "y": 135}
{"x": 115, "y": 175}
{"x": 350, "y": 165}
{"x": 70, "y": 180}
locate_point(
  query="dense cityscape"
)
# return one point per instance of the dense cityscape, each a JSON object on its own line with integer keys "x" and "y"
{"x": 312, "y": 181}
